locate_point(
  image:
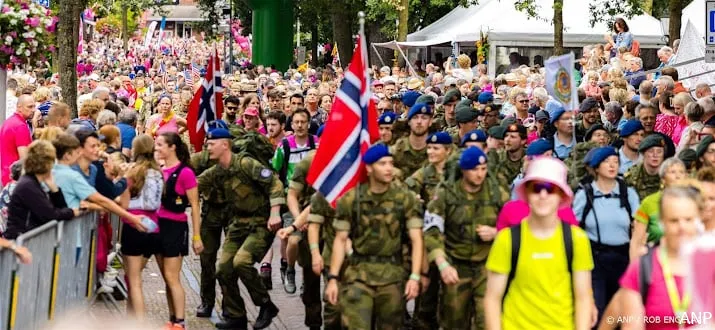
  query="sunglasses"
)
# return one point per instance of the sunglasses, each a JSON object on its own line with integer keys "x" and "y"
{"x": 523, "y": 101}
{"x": 232, "y": 108}
{"x": 538, "y": 187}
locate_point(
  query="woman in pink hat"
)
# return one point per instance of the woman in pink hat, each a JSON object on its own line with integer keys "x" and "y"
{"x": 540, "y": 270}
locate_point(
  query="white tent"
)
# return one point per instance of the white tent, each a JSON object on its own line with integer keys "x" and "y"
{"x": 507, "y": 26}
{"x": 695, "y": 13}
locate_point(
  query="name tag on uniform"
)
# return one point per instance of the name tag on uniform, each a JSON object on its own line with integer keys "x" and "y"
{"x": 433, "y": 220}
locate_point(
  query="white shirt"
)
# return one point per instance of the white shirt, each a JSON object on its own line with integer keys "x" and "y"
{"x": 10, "y": 104}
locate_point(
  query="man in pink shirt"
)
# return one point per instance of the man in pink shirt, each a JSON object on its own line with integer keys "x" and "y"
{"x": 15, "y": 136}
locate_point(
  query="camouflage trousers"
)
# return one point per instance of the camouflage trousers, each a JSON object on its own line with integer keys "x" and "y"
{"x": 212, "y": 225}
{"x": 361, "y": 304}
{"x": 462, "y": 304}
{"x": 425, "y": 315}
{"x": 311, "y": 284}
{"x": 244, "y": 246}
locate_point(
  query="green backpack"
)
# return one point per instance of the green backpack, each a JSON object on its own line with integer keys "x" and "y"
{"x": 255, "y": 144}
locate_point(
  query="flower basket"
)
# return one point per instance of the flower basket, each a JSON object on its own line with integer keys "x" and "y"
{"x": 26, "y": 33}
{"x": 482, "y": 48}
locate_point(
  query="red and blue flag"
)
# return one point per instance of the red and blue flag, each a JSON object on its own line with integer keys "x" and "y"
{"x": 207, "y": 104}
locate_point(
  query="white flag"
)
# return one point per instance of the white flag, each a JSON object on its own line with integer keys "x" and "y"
{"x": 560, "y": 82}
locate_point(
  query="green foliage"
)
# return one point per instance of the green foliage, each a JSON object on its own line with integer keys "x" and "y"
{"x": 606, "y": 11}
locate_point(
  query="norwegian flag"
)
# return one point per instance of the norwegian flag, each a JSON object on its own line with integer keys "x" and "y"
{"x": 350, "y": 130}
{"x": 207, "y": 104}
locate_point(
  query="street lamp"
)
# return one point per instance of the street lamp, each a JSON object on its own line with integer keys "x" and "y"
{"x": 228, "y": 12}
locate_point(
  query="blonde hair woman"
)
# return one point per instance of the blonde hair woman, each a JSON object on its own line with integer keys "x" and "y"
{"x": 464, "y": 71}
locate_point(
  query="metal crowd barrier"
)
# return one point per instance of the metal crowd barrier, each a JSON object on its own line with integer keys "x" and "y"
{"x": 61, "y": 275}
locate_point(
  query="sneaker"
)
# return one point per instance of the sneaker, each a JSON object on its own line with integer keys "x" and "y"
{"x": 266, "y": 273}
{"x": 289, "y": 284}
{"x": 177, "y": 326}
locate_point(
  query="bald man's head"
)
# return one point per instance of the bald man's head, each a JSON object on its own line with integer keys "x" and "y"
{"x": 26, "y": 105}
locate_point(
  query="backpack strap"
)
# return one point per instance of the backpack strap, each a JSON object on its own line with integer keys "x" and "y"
{"x": 568, "y": 245}
{"x": 515, "y": 247}
{"x": 286, "y": 159}
{"x": 588, "y": 189}
{"x": 645, "y": 274}
{"x": 623, "y": 196}
{"x": 311, "y": 141}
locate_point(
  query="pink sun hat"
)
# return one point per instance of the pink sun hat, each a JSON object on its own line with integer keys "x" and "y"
{"x": 547, "y": 169}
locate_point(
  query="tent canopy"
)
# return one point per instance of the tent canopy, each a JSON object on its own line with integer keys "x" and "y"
{"x": 507, "y": 26}
{"x": 695, "y": 13}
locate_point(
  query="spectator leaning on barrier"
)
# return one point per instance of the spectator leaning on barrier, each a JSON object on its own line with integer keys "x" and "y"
{"x": 37, "y": 199}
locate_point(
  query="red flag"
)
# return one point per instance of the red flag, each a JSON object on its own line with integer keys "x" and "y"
{"x": 351, "y": 129}
{"x": 207, "y": 104}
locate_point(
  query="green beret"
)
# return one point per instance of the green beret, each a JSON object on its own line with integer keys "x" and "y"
{"x": 497, "y": 132}
{"x": 453, "y": 95}
{"x": 653, "y": 140}
{"x": 426, "y": 98}
{"x": 508, "y": 121}
{"x": 465, "y": 113}
{"x": 688, "y": 156}
{"x": 703, "y": 145}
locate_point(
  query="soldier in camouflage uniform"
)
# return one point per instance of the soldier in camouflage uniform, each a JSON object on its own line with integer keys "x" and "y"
{"x": 495, "y": 139}
{"x": 491, "y": 116}
{"x": 424, "y": 184}
{"x": 460, "y": 224}
{"x": 253, "y": 189}
{"x": 299, "y": 192}
{"x": 446, "y": 117}
{"x": 590, "y": 115}
{"x": 376, "y": 216}
{"x": 506, "y": 164}
{"x": 385, "y": 123}
{"x": 410, "y": 152}
{"x": 476, "y": 138}
{"x": 597, "y": 136}
{"x": 466, "y": 121}
{"x": 644, "y": 177}
{"x": 322, "y": 234}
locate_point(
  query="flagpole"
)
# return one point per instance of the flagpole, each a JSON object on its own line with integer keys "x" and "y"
{"x": 361, "y": 35}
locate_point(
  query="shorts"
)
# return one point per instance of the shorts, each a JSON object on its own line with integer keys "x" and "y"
{"x": 136, "y": 243}
{"x": 288, "y": 220}
{"x": 174, "y": 238}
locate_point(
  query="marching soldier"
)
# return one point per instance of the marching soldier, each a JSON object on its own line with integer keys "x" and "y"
{"x": 254, "y": 190}
{"x": 410, "y": 152}
{"x": 375, "y": 216}
{"x": 466, "y": 117}
{"x": 446, "y": 118}
{"x": 507, "y": 163}
{"x": 385, "y": 123}
{"x": 644, "y": 176}
{"x": 460, "y": 225}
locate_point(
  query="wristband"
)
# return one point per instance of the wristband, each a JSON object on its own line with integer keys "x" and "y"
{"x": 13, "y": 247}
{"x": 294, "y": 228}
{"x": 415, "y": 277}
{"x": 333, "y": 277}
{"x": 196, "y": 238}
{"x": 443, "y": 265}
{"x": 314, "y": 246}
{"x": 275, "y": 214}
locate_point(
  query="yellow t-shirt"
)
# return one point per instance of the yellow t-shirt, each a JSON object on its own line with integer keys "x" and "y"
{"x": 540, "y": 296}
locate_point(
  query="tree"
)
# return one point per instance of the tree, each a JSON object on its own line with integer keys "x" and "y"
{"x": 69, "y": 12}
{"x": 124, "y": 7}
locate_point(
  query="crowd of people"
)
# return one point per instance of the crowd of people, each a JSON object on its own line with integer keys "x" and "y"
{"x": 487, "y": 201}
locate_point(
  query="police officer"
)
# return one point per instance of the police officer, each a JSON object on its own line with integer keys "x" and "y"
{"x": 385, "y": 123}
{"x": 644, "y": 176}
{"x": 460, "y": 224}
{"x": 410, "y": 152}
{"x": 375, "y": 215}
{"x": 246, "y": 182}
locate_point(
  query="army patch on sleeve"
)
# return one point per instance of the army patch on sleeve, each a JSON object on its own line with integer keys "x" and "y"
{"x": 266, "y": 173}
{"x": 433, "y": 220}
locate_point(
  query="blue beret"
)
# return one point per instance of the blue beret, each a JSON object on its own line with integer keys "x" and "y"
{"x": 485, "y": 98}
{"x": 439, "y": 138}
{"x": 476, "y": 135}
{"x": 600, "y": 154}
{"x": 630, "y": 127}
{"x": 218, "y": 133}
{"x": 217, "y": 124}
{"x": 419, "y": 108}
{"x": 552, "y": 106}
{"x": 539, "y": 147}
{"x": 387, "y": 118}
{"x": 556, "y": 115}
{"x": 319, "y": 133}
{"x": 410, "y": 97}
{"x": 471, "y": 158}
{"x": 375, "y": 152}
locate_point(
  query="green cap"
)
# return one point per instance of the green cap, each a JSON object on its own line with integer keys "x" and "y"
{"x": 508, "y": 121}
{"x": 703, "y": 145}
{"x": 688, "y": 156}
{"x": 465, "y": 113}
{"x": 453, "y": 95}
{"x": 653, "y": 140}
{"x": 426, "y": 98}
{"x": 497, "y": 132}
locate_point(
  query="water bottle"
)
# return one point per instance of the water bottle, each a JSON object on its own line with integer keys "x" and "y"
{"x": 150, "y": 225}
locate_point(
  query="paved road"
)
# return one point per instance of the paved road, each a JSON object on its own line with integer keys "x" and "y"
{"x": 291, "y": 313}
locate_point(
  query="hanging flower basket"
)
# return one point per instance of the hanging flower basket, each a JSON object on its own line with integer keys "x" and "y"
{"x": 482, "y": 46}
{"x": 26, "y": 33}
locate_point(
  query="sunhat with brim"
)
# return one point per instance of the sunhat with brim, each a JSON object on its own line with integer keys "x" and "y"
{"x": 547, "y": 169}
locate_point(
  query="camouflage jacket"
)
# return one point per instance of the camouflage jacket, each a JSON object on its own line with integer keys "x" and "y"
{"x": 503, "y": 167}
{"x": 452, "y": 218}
{"x": 378, "y": 233}
{"x": 322, "y": 213}
{"x": 424, "y": 181}
{"x": 644, "y": 183}
{"x": 576, "y": 167}
{"x": 298, "y": 180}
{"x": 249, "y": 187}
{"x": 407, "y": 159}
